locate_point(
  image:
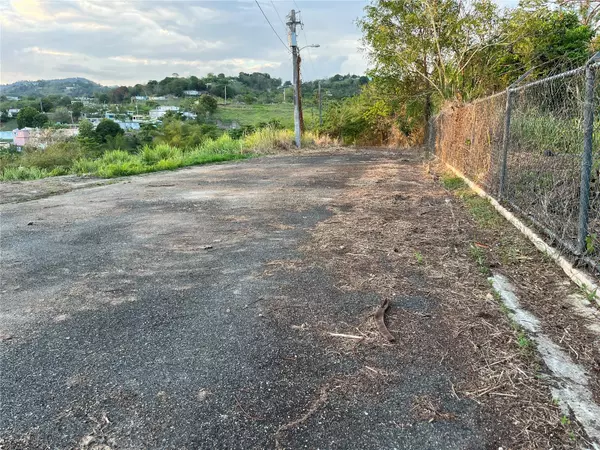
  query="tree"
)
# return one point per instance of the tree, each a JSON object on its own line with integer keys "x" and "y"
{"x": 61, "y": 115}
{"x": 26, "y": 116}
{"x": 209, "y": 103}
{"x": 87, "y": 138}
{"x": 103, "y": 98}
{"x": 120, "y": 94}
{"x": 107, "y": 128}
{"x": 40, "y": 119}
{"x": 76, "y": 109}
{"x": 64, "y": 101}
{"x": 47, "y": 104}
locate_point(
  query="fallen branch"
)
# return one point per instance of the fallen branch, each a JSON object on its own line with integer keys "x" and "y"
{"x": 379, "y": 318}
{"x": 349, "y": 336}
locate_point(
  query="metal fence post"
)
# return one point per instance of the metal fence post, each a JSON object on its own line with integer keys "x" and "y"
{"x": 505, "y": 142}
{"x": 586, "y": 160}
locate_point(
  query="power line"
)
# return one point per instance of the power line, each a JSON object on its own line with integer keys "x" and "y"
{"x": 280, "y": 19}
{"x": 312, "y": 66}
{"x": 278, "y": 37}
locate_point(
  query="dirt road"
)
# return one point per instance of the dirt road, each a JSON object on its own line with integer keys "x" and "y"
{"x": 230, "y": 306}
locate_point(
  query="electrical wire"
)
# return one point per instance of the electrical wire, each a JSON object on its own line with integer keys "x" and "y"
{"x": 269, "y": 22}
{"x": 280, "y": 19}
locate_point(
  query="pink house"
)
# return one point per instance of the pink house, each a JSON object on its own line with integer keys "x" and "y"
{"x": 21, "y": 137}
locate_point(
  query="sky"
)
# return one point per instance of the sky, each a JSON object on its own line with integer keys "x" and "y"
{"x": 128, "y": 42}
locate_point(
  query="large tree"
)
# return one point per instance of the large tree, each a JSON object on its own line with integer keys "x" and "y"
{"x": 26, "y": 117}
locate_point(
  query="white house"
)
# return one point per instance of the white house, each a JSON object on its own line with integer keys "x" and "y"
{"x": 160, "y": 111}
{"x": 140, "y": 97}
{"x": 191, "y": 93}
{"x": 128, "y": 125}
{"x": 12, "y": 112}
{"x": 12, "y": 97}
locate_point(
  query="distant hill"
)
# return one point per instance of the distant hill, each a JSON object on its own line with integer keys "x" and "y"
{"x": 73, "y": 87}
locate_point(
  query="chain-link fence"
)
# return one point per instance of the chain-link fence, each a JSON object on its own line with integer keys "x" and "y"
{"x": 536, "y": 148}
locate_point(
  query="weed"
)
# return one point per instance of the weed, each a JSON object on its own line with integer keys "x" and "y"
{"x": 482, "y": 211}
{"x": 419, "y": 257}
{"x": 525, "y": 344}
{"x": 565, "y": 421}
{"x": 23, "y": 173}
{"x": 453, "y": 183}
{"x": 478, "y": 254}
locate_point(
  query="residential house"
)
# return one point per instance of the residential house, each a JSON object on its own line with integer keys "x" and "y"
{"x": 191, "y": 93}
{"x": 160, "y": 111}
{"x": 140, "y": 97}
{"x": 12, "y": 112}
{"x": 110, "y": 116}
{"x": 12, "y": 97}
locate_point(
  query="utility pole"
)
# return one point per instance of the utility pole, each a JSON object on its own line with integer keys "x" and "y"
{"x": 320, "y": 106}
{"x": 300, "y": 94}
{"x": 225, "y": 94}
{"x": 293, "y": 43}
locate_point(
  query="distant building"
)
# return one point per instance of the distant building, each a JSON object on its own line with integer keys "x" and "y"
{"x": 12, "y": 97}
{"x": 141, "y": 97}
{"x": 110, "y": 116}
{"x": 139, "y": 118}
{"x": 189, "y": 115}
{"x": 160, "y": 97}
{"x": 41, "y": 138}
{"x": 84, "y": 100}
{"x": 191, "y": 93}
{"x": 160, "y": 111}
{"x": 12, "y": 112}
{"x": 128, "y": 126}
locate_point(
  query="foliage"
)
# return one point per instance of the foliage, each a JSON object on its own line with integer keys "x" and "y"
{"x": 107, "y": 128}
{"x": 22, "y": 173}
{"x": 61, "y": 154}
{"x": 40, "y": 119}
{"x": 424, "y": 53}
{"x": 26, "y": 117}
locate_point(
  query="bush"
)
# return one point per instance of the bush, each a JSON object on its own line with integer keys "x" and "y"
{"x": 153, "y": 154}
{"x": 60, "y": 154}
{"x": 84, "y": 166}
{"x": 23, "y": 173}
{"x": 225, "y": 144}
{"x": 269, "y": 139}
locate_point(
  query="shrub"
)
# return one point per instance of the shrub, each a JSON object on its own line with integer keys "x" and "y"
{"x": 153, "y": 154}
{"x": 225, "y": 144}
{"x": 84, "y": 166}
{"x": 60, "y": 154}
{"x": 23, "y": 173}
{"x": 269, "y": 139}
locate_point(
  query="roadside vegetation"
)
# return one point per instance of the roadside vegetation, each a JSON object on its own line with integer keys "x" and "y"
{"x": 111, "y": 156}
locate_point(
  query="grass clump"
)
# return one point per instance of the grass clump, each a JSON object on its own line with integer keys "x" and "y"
{"x": 453, "y": 183}
{"x": 23, "y": 173}
{"x": 268, "y": 139}
{"x": 478, "y": 254}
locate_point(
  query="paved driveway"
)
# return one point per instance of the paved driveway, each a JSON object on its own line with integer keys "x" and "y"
{"x": 189, "y": 310}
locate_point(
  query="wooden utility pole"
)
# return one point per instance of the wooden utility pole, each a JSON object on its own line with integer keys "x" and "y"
{"x": 299, "y": 78}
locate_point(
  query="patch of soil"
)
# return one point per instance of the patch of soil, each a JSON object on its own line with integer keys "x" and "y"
{"x": 405, "y": 238}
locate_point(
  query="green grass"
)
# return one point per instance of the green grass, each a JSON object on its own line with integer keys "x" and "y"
{"x": 8, "y": 126}
{"x": 453, "y": 183}
{"x": 66, "y": 158}
{"x": 23, "y": 173}
{"x": 255, "y": 114}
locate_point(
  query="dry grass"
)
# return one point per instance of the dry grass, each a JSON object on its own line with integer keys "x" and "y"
{"x": 393, "y": 213}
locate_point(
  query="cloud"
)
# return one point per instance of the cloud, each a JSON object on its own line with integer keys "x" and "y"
{"x": 131, "y": 41}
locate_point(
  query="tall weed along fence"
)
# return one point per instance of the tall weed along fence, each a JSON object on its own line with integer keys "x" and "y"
{"x": 535, "y": 148}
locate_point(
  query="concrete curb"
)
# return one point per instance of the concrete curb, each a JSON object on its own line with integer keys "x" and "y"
{"x": 580, "y": 278}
